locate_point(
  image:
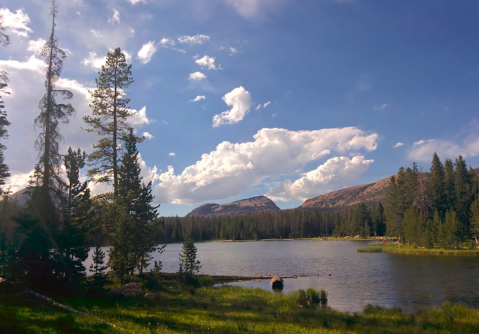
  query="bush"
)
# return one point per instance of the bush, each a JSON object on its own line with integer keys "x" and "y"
{"x": 311, "y": 297}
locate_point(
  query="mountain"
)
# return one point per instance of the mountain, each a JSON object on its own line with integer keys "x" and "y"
{"x": 236, "y": 208}
{"x": 347, "y": 197}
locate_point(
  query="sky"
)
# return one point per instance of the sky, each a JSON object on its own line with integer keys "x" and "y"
{"x": 290, "y": 99}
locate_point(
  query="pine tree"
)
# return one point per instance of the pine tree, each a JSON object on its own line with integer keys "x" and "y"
{"x": 38, "y": 261}
{"x": 189, "y": 266}
{"x": 137, "y": 198}
{"x": 72, "y": 244}
{"x": 437, "y": 185}
{"x": 98, "y": 268}
{"x": 123, "y": 248}
{"x": 109, "y": 117}
{"x": 52, "y": 113}
{"x": 475, "y": 219}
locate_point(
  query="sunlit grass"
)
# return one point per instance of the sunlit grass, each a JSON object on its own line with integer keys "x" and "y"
{"x": 230, "y": 309}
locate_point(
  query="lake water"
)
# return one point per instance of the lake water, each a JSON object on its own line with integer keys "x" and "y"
{"x": 351, "y": 279}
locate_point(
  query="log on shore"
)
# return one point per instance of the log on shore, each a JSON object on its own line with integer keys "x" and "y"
{"x": 227, "y": 278}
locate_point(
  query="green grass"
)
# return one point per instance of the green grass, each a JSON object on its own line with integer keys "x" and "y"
{"x": 410, "y": 250}
{"x": 370, "y": 250}
{"x": 230, "y": 309}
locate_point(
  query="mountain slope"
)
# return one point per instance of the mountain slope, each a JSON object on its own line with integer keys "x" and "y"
{"x": 241, "y": 207}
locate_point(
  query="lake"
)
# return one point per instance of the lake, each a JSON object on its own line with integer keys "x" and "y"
{"x": 351, "y": 279}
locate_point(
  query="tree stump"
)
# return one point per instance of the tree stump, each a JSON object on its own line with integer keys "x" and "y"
{"x": 277, "y": 283}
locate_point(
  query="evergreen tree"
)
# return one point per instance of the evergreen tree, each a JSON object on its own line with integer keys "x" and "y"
{"x": 475, "y": 219}
{"x": 4, "y": 38}
{"x": 109, "y": 117}
{"x": 97, "y": 267}
{"x": 189, "y": 265}
{"x": 437, "y": 185}
{"x": 123, "y": 248}
{"x": 449, "y": 186}
{"x": 463, "y": 195}
{"x": 137, "y": 198}
{"x": 72, "y": 246}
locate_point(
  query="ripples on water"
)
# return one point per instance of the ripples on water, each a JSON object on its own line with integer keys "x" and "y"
{"x": 351, "y": 279}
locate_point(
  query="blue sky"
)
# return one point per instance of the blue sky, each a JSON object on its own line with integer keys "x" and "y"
{"x": 239, "y": 98}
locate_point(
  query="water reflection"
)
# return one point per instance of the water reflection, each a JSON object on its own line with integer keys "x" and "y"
{"x": 351, "y": 279}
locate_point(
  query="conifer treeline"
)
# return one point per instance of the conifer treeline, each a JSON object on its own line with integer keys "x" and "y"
{"x": 436, "y": 209}
{"x": 299, "y": 223}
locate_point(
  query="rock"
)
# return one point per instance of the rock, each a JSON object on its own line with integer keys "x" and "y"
{"x": 128, "y": 290}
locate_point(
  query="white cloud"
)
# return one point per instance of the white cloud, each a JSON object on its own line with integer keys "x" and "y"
{"x": 381, "y": 107}
{"x": 196, "y": 39}
{"x": 94, "y": 61}
{"x": 197, "y": 76}
{"x": 36, "y": 46}
{"x": 167, "y": 41}
{"x": 172, "y": 154}
{"x": 253, "y": 8}
{"x": 240, "y": 102}
{"x": 266, "y": 104}
{"x": 134, "y": 2}
{"x": 115, "y": 17}
{"x": 258, "y": 107}
{"x": 398, "y": 145}
{"x": 146, "y": 52}
{"x": 232, "y": 168}
{"x": 170, "y": 44}
{"x": 147, "y": 135}
{"x": 334, "y": 174}
{"x": 208, "y": 62}
{"x": 423, "y": 150}
{"x": 16, "y": 22}
{"x": 96, "y": 33}
{"x": 198, "y": 98}
{"x": 233, "y": 51}
{"x": 138, "y": 117}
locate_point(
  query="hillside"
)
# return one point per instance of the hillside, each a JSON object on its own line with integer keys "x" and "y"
{"x": 236, "y": 208}
{"x": 367, "y": 193}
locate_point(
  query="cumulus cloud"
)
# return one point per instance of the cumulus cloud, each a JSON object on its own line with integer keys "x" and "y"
{"x": 36, "y": 46}
{"x": 208, "y": 62}
{"x": 197, "y": 76}
{"x": 423, "y": 150}
{"x": 146, "y": 52}
{"x": 398, "y": 145}
{"x": 198, "y": 98}
{"x": 240, "y": 102}
{"x": 134, "y": 2}
{"x": 266, "y": 104}
{"x": 381, "y": 107}
{"x": 139, "y": 117}
{"x": 16, "y": 22}
{"x": 233, "y": 51}
{"x": 233, "y": 168}
{"x": 115, "y": 17}
{"x": 94, "y": 61}
{"x": 147, "y": 135}
{"x": 172, "y": 154}
{"x": 335, "y": 173}
{"x": 196, "y": 39}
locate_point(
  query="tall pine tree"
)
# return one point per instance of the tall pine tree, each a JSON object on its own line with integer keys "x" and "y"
{"x": 109, "y": 117}
{"x": 4, "y": 171}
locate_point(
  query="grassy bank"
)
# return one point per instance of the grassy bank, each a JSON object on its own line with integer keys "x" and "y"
{"x": 411, "y": 250}
{"x": 229, "y": 310}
